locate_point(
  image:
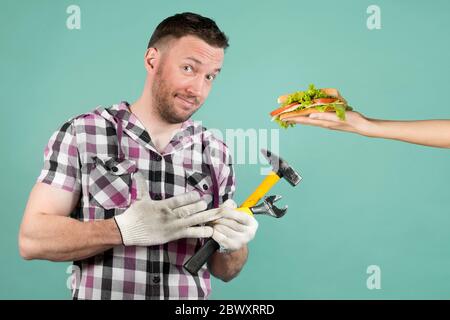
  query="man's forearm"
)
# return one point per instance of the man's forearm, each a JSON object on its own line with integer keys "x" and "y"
{"x": 227, "y": 266}
{"x": 58, "y": 238}
{"x": 434, "y": 133}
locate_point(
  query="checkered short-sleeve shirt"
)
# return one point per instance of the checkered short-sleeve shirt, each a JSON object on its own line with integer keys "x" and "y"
{"x": 96, "y": 155}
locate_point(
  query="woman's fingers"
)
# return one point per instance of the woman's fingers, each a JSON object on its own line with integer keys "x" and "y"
{"x": 313, "y": 122}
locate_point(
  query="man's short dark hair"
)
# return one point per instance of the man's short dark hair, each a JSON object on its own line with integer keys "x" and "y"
{"x": 188, "y": 23}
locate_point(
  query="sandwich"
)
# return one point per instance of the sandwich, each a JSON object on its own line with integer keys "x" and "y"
{"x": 303, "y": 103}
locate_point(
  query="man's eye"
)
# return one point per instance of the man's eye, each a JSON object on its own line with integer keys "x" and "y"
{"x": 210, "y": 77}
{"x": 187, "y": 68}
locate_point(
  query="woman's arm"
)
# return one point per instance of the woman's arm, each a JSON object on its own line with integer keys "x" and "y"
{"x": 433, "y": 133}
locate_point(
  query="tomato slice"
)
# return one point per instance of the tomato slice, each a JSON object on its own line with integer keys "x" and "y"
{"x": 280, "y": 110}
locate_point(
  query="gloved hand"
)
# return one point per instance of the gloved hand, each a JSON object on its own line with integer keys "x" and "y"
{"x": 234, "y": 229}
{"x": 147, "y": 222}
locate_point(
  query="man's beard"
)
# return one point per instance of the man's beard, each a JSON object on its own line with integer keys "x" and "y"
{"x": 165, "y": 108}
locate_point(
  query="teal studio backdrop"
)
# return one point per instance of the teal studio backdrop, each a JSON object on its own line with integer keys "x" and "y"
{"x": 362, "y": 202}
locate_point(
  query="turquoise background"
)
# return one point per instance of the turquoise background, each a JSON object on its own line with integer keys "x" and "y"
{"x": 362, "y": 201}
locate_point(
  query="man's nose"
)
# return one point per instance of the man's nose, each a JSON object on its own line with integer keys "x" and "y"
{"x": 195, "y": 87}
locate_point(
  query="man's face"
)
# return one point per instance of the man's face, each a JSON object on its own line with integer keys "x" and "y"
{"x": 184, "y": 77}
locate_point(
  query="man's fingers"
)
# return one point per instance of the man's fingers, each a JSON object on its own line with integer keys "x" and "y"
{"x": 239, "y": 217}
{"x": 229, "y": 203}
{"x": 189, "y": 209}
{"x": 183, "y": 199}
{"x": 198, "y": 232}
{"x": 227, "y": 232}
{"x": 227, "y": 238}
{"x": 141, "y": 186}
{"x": 221, "y": 239}
{"x": 201, "y": 217}
{"x": 232, "y": 224}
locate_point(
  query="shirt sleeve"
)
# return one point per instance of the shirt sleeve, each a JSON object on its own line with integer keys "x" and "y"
{"x": 61, "y": 160}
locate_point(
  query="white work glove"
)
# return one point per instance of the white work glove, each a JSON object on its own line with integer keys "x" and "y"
{"x": 234, "y": 229}
{"x": 147, "y": 222}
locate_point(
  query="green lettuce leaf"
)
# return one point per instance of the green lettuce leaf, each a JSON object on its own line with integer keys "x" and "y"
{"x": 340, "y": 111}
{"x": 284, "y": 124}
{"x": 305, "y": 97}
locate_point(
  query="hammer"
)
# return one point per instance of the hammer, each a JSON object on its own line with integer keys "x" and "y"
{"x": 281, "y": 169}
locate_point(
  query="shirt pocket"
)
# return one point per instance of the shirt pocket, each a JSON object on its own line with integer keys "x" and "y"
{"x": 202, "y": 183}
{"x": 110, "y": 182}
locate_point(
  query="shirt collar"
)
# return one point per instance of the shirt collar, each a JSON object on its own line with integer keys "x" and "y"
{"x": 186, "y": 135}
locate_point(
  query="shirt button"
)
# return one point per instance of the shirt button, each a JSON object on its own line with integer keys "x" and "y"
{"x": 114, "y": 169}
{"x": 158, "y": 158}
{"x": 156, "y": 279}
{"x": 205, "y": 187}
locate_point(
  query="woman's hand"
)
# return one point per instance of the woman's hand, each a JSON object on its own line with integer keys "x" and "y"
{"x": 354, "y": 122}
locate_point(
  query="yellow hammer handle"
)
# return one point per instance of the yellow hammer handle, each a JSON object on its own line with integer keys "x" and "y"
{"x": 262, "y": 189}
{"x": 245, "y": 210}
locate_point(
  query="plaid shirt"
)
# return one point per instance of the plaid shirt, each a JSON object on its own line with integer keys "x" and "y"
{"x": 97, "y": 155}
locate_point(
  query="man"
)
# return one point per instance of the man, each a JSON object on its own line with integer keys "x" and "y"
{"x": 432, "y": 133}
{"x": 124, "y": 189}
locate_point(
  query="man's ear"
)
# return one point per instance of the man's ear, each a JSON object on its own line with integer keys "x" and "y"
{"x": 151, "y": 59}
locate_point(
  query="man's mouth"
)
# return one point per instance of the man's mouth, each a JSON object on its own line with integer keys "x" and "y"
{"x": 187, "y": 102}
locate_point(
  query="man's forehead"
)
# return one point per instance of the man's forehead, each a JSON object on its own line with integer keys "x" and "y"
{"x": 198, "y": 51}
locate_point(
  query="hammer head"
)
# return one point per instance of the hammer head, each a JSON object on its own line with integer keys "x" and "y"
{"x": 282, "y": 168}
